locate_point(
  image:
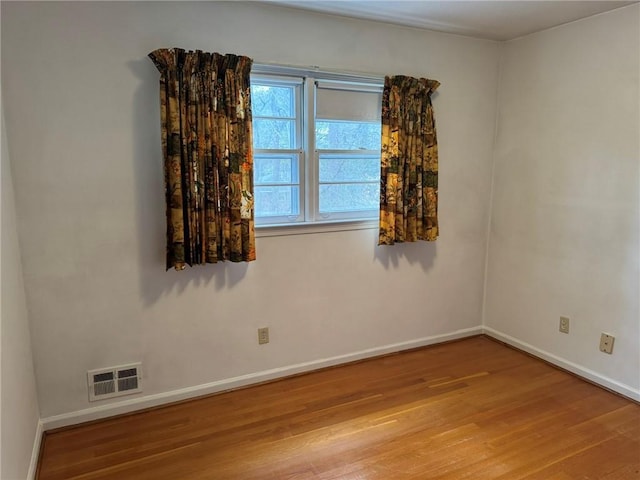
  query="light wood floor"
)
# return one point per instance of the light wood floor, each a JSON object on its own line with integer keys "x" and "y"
{"x": 472, "y": 409}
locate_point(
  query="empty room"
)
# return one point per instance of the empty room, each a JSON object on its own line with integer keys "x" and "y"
{"x": 390, "y": 240}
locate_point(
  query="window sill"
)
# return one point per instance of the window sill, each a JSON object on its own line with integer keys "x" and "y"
{"x": 314, "y": 227}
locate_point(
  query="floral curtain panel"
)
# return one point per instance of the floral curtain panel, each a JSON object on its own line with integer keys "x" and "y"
{"x": 205, "y": 110}
{"x": 409, "y": 171}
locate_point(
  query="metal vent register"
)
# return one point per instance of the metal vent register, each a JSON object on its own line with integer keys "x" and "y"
{"x": 114, "y": 381}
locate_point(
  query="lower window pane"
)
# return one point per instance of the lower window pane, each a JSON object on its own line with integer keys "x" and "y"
{"x": 275, "y": 201}
{"x": 351, "y": 167}
{"x": 269, "y": 168}
{"x": 349, "y": 197}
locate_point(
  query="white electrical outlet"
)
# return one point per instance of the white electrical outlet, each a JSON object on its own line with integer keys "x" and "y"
{"x": 263, "y": 335}
{"x": 606, "y": 343}
{"x": 564, "y": 324}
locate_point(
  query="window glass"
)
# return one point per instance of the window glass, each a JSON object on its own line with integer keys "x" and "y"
{"x": 349, "y": 168}
{"x": 270, "y": 133}
{"x": 348, "y": 197}
{"x": 272, "y": 101}
{"x": 342, "y": 135}
{"x": 276, "y": 201}
{"x": 275, "y": 169}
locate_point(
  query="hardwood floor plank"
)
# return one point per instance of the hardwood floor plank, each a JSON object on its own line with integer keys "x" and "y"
{"x": 472, "y": 409}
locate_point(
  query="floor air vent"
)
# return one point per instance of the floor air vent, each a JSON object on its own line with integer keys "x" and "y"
{"x": 114, "y": 381}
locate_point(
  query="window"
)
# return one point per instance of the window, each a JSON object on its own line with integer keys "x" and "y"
{"x": 316, "y": 147}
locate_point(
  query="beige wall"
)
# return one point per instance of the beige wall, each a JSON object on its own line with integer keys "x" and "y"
{"x": 565, "y": 216}
{"x": 19, "y": 415}
{"x": 83, "y": 119}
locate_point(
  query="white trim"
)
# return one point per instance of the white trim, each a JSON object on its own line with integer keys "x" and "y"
{"x": 276, "y": 80}
{"x": 492, "y": 187}
{"x": 579, "y": 370}
{"x": 314, "y": 227}
{"x": 35, "y": 452}
{"x": 355, "y": 86}
{"x": 313, "y": 71}
{"x": 139, "y": 403}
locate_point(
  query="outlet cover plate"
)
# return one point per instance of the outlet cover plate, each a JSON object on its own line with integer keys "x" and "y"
{"x": 606, "y": 343}
{"x": 564, "y": 324}
{"x": 263, "y": 335}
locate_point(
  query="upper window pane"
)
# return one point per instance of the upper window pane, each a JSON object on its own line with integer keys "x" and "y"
{"x": 269, "y": 133}
{"x": 272, "y": 101}
{"x": 340, "y": 135}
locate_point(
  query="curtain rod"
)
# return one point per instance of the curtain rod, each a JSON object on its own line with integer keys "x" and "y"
{"x": 310, "y": 70}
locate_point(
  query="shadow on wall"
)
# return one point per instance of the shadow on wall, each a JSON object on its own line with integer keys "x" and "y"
{"x": 154, "y": 282}
{"x": 422, "y": 253}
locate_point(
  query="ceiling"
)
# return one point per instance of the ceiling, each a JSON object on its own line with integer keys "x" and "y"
{"x": 495, "y": 20}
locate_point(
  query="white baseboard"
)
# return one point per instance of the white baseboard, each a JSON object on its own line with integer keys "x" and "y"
{"x": 35, "y": 452}
{"x": 142, "y": 402}
{"x": 579, "y": 370}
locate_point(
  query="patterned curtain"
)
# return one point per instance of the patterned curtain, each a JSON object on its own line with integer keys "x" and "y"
{"x": 409, "y": 170}
{"x": 205, "y": 110}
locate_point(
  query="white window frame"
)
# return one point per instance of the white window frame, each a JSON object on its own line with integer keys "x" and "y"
{"x": 310, "y": 220}
{"x": 297, "y": 150}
